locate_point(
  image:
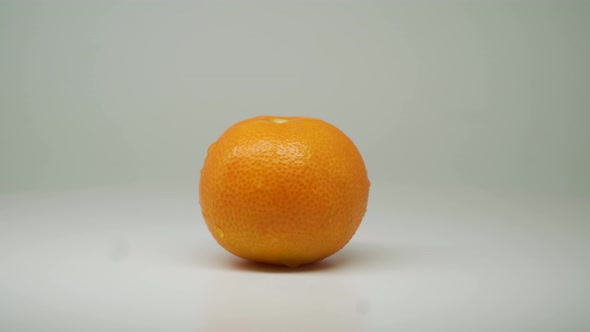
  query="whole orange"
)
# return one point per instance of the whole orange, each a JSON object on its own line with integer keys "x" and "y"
{"x": 283, "y": 190}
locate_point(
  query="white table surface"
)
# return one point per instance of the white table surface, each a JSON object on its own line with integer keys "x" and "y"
{"x": 423, "y": 260}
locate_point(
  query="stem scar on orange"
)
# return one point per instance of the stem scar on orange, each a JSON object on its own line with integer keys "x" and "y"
{"x": 283, "y": 190}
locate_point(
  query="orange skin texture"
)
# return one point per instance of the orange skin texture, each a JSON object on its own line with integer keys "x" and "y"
{"x": 283, "y": 190}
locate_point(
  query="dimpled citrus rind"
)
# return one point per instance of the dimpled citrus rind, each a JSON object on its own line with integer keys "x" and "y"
{"x": 283, "y": 190}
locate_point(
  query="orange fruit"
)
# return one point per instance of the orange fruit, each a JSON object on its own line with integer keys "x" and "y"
{"x": 283, "y": 190}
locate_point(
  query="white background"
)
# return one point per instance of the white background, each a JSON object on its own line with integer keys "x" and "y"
{"x": 472, "y": 117}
